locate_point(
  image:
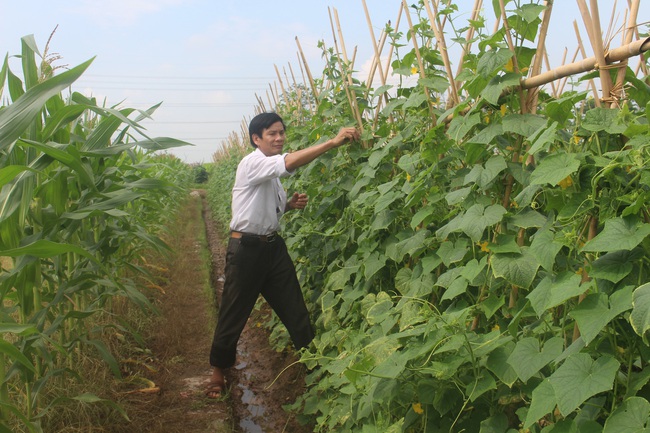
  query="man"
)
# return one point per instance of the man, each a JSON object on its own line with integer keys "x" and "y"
{"x": 257, "y": 261}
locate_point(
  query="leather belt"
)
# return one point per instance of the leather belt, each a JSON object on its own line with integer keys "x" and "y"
{"x": 263, "y": 238}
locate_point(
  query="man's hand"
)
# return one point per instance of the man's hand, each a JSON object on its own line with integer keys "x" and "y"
{"x": 297, "y": 201}
{"x": 345, "y": 134}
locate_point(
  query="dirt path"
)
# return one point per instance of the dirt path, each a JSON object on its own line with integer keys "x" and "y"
{"x": 256, "y": 389}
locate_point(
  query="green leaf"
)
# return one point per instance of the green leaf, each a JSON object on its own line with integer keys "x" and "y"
{"x": 8, "y": 173}
{"x": 373, "y": 264}
{"x": 554, "y": 290}
{"x": 498, "y": 84}
{"x": 613, "y": 266}
{"x": 12, "y": 353}
{"x": 594, "y": 312}
{"x": 580, "y": 377}
{"x": 480, "y": 386}
{"x": 640, "y": 316}
{"x": 106, "y": 355}
{"x": 631, "y": 416}
{"x": 543, "y": 137}
{"x": 493, "y": 61}
{"x": 494, "y": 424}
{"x": 17, "y": 117}
{"x": 452, "y": 252}
{"x": 45, "y": 249}
{"x": 603, "y": 119}
{"x": 525, "y": 125}
{"x": 529, "y": 218}
{"x": 483, "y": 176}
{"x": 545, "y": 249}
{"x": 554, "y": 168}
{"x": 530, "y": 12}
{"x": 458, "y": 196}
{"x": 478, "y": 218}
{"x": 17, "y": 328}
{"x": 527, "y": 359}
{"x": 542, "y": 403}
{"x": 487, "y": 135}
{"x": 497, "y": 362}
{"x": 618, "y": 234}
{"x": 518, "y": 269}
{"x": 69, "y": 157}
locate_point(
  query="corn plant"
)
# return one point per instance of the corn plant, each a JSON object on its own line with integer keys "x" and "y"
{"x": 81, "y": 198}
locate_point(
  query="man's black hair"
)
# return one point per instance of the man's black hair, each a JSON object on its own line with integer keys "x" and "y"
{"x": 261, "y": 122}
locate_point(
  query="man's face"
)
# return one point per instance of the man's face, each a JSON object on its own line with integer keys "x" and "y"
{"x": 272, "y": 140}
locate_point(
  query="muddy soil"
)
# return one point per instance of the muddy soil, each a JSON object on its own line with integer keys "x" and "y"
{"x": 261, "y": 383}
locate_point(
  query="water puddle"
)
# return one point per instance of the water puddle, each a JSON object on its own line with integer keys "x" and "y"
{"x": 250, "y": 402}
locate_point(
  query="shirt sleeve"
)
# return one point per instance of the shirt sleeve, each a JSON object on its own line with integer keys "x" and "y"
{"x": 261, "y": 168}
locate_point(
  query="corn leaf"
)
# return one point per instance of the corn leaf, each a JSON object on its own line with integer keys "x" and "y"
{"x": 16, "y": 118}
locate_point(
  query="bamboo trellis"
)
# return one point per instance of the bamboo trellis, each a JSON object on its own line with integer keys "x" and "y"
{"x": 603, "y": 59}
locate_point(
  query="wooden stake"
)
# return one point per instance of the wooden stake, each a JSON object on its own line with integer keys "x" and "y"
{"x": 442, "y": 46}
{"x": 344, "y": 67}
{"x": 628, "y": 35}
{"x": 284, "y": 93}
{"x": 531, "y": 100}
{"x": 478, "y": 4}
{"x": 304, "y": 62}
{"x": 581, "y": 47}
{"x": 419, "y": 57}
{"x": 618, "y": 54}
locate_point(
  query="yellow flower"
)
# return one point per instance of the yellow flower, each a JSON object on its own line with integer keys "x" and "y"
{"x": 503, "y": 109}
{"x": 408, "y": 177}
{"x": 414, "y": 70}
{"x": 496, "y": 327}
{"x": 576, "y": 139}
{"x": 566, "y": 182}
{"x": 486, "y": 119}
{"x": 417, "y": 408}
{"x": 510, "y": 65}
{"x": 483, "y": 246}
{"x": 514, "y": 204}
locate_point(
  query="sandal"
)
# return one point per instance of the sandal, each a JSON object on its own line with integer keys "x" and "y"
{"x": 215, "y": 390}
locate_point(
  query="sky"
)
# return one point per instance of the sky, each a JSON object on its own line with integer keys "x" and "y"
{"x": 206, "y": 60}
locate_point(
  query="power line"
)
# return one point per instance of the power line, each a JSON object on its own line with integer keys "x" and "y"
{"x": 149, "y": 77}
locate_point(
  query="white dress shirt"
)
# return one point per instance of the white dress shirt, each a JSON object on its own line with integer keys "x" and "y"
{"x": 258, "y": 198}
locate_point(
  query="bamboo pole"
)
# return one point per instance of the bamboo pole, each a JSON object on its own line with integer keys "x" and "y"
{"x": 511, "y": 45}
{"x": 563, "y": 82}
{"x": 345, "y": 71}
{"x": 284, "y": 93}
{"x": 304, "y": 62}
{"x": 618, "y": 54}
{"x": 442, "y": 46}
{"x": 628, "y": 35}
{"x": 478, "y": 4}
{"x": 302, "y": 72}
{"x": 531, "y": 100}
{"x": 420, "y": 62}
{"x": 598, "y": 48}
{"x": 641, "y": 64}
{"x": 374, "y": 42}
{"x": 581, "y": 47}
{"x": 388, "y": 62}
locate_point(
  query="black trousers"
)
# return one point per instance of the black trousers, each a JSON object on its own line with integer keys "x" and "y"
{"x": 254, "y": 267}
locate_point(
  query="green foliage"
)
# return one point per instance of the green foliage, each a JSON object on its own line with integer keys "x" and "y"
{"x": 474, "y": 269}
{"x": 200, "y": 174}
{"x": 81, "y": 200}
